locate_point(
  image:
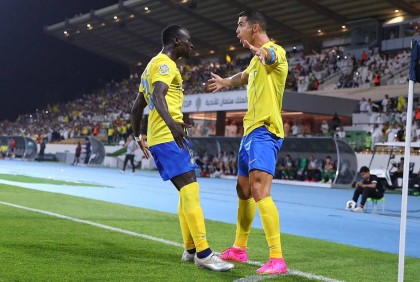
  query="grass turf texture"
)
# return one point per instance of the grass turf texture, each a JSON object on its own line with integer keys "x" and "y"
{"x": 29, "y": 179}
{"x": 38, "y": 247}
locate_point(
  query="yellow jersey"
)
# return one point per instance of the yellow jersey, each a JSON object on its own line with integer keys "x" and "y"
{"x": 162, "y": 68}
{"x": 265, "y": 92}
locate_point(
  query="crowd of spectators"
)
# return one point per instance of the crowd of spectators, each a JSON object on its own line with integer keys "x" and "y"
{"x": 309, "y": 169}
{"x": 216, "y": 165}
{"x": 105, "y": 112}
{"x": 386, "y": 120}
{"x": 308, "y": 72}
{"x": 372, "y": 68}
{"x": 196, "y": 76}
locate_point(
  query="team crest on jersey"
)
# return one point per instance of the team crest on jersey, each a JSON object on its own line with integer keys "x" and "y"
{"x": 163, "y": 69}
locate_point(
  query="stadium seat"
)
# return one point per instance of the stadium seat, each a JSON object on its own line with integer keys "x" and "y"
{"x": 375, "y": 204}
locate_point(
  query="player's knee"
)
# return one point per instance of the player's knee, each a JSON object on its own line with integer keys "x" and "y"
{"x": 259, "y": 194}
{"x": 243, "y": 194}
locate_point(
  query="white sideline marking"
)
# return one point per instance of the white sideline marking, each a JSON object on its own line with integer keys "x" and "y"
{"x": 167, "y": 242}
{"x": 258, "y": 277}
{"x": 107, "y": 227}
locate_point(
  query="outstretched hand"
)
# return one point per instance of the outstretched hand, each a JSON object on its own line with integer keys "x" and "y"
{"x": 216, "y": 83}
{"x": 179, "y": 132}
{"x": 260, "y": 52}
{"x": 144, "y": 147}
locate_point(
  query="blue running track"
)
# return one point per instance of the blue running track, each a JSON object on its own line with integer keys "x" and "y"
{"x": 305, "y": 211}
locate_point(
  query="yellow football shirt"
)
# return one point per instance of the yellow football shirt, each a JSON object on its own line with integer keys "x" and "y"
{"x": 265, "y": 92}
{"x": 162, "y": 68}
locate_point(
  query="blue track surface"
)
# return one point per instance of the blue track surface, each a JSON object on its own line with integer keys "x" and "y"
{"x": 304, "y": 211}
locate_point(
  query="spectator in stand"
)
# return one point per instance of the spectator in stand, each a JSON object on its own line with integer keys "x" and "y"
{"x": 302, "y": 169}
{"x": 417, "y": 115}
{"x": 328, "y": 170}
{"x": 96, "y": 130}
{"x": 288, "y": 168}
{"x": 377, "y": 79}
{"x": 12, "y": 148}
{"x": 313, "y": 171}
{"x": 385, "y": 102}
{"x": 77, "y": 154}
{"x": 295, "y": 128}
{"x": 325, "y": 128}
{"x": 392, "y": 132}
{"x": 124, "y": 131}
{"x": 398, "y": 173}
{"x": 402, "y": 79}
{"x": 363, "y": 105}
{"x": 232, "y": 164}
{"x": 286, "y": 128}
{"x": 111, "y": 133}
{"x": 336, "y": 122}
{"x": 364, "y": 57}
{"x": 206, "y": 161}
{"x": 402, "y": 104}
{"x": 231, "y": 129}
{"x": 225, "y": 163}
{"x": 372, "y": 107}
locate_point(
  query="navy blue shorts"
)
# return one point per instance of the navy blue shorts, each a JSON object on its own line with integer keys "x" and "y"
{"x": 171, "y": 160}
{"x": 258, "y": 150}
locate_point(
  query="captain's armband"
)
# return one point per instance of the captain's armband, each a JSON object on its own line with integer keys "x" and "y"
{"x": 273, "y": 57}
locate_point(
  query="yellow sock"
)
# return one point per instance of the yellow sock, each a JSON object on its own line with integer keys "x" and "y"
{"x": 186, "y": 235}
{"x": 193, "y": 213}
{"x": 246, "y": 213}
{"x": 271, "y": 224}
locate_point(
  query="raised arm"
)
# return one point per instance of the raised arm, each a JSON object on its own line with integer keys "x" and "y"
{"x": 217, "y": 83}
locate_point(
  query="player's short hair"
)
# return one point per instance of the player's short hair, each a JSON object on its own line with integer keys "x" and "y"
{"x": 255, "y": 17}
{"x": 364, "y": 169}
{"x": 170, "y": 32}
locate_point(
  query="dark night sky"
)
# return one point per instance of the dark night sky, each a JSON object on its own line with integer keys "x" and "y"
{"x": 37, "y": 69}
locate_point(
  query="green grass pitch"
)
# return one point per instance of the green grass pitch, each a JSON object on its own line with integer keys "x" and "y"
{"x": 39, "y": 247}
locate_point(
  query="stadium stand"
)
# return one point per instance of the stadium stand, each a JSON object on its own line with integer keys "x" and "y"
{"x": 105, "y": 112}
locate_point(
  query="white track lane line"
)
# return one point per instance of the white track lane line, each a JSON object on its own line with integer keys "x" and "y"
{"x": 167, "y": 242}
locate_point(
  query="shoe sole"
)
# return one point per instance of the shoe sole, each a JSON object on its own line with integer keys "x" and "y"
{"x": 217, "y": 270}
